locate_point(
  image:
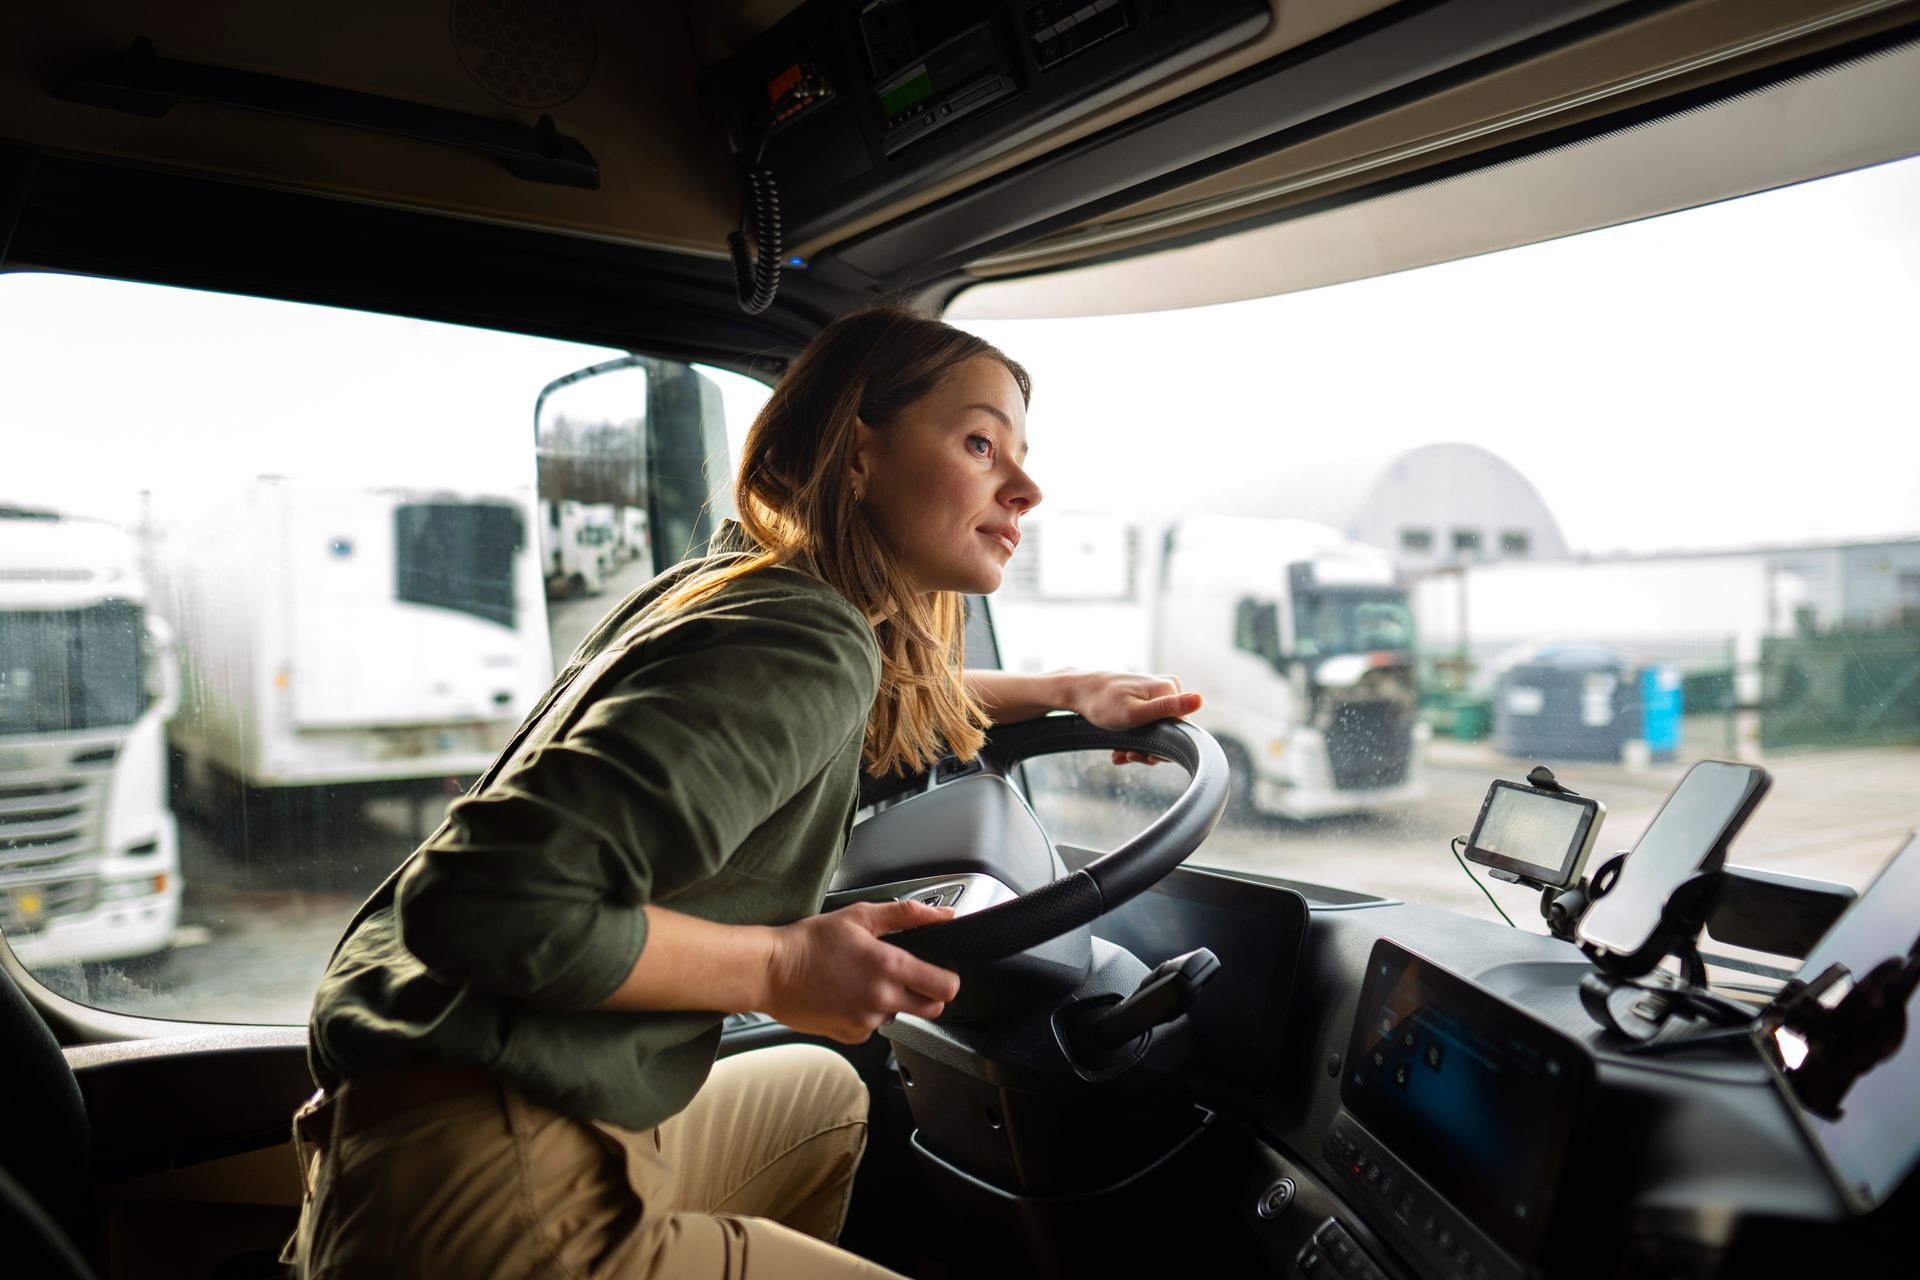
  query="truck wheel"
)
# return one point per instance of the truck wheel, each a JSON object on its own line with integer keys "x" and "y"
{"x": 576, "y": 587}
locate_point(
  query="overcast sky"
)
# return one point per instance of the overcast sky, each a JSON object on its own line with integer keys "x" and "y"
{"x": 1735, "y": 374}
{"x": 1738, "y": 373}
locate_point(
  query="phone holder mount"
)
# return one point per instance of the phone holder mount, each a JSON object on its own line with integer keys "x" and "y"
{"x": 1741, "y": 906}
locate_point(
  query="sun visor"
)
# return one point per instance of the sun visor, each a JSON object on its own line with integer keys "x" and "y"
{"x": 1850, "y": 116}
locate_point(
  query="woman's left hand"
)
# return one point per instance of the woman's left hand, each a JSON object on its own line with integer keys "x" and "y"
{"x": 1126, "y": 700}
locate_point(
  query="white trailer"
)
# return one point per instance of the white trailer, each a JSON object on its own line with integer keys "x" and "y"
{"x": 334, "y": 636}
{"x": 89, "y": 851}
{"x": 570, "y": 561}
{"x": 1301, "y": 642}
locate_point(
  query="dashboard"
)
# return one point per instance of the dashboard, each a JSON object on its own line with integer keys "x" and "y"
{"x": 1440, "y": 1105}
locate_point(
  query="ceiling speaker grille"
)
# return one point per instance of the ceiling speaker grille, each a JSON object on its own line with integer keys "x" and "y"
{"x": 527, "y": 53}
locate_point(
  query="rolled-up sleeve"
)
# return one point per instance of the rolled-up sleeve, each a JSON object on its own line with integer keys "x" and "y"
{"x": 534, "y": 891}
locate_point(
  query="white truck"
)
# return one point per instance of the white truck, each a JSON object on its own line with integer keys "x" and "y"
{"x": 1301, "y": 642}
{"x": 569, "y": 559}
{"x": 636, "y": 543}
{"x": 89, "y": 850}
{"x": 335, "y": 636}
{"x": 603, "y": 535}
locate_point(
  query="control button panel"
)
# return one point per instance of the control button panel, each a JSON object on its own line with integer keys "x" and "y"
{"x": 1432, "y": 1230}
{"x": 939, "y": 895}
{"x": 1059, "y": 29}
{"x": 1333, "y": 1252}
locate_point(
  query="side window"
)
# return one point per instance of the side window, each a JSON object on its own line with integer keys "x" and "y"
{"x": 272, "y": 594}
{"x": 1256, "y": 629}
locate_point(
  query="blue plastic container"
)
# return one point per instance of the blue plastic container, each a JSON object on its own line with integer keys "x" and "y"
{"x": 1660, "y": 710}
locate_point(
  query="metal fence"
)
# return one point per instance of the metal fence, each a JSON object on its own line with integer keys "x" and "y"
{"x": 1841, "y": 689}
{"x": 1457, "y": 690}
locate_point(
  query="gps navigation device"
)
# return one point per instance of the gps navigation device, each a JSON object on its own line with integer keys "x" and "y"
{"x": 1534, "y": 836}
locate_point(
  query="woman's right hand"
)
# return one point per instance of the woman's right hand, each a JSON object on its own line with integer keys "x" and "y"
{"x": 830, "y": 975}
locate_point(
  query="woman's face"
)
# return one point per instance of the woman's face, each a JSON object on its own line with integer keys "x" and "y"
{"x": 945, "y": 485}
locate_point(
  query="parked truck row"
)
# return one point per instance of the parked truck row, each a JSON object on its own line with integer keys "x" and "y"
{"x": 583, "y": 543}
{"x": 290, "y": 638}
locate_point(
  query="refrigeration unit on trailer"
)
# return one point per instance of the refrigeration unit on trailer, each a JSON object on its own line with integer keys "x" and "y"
{"x": 337, "y": 636}
{"x": 89, "y": 851}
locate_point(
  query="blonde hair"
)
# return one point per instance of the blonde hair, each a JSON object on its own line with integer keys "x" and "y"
{"x": 795, "y": 498}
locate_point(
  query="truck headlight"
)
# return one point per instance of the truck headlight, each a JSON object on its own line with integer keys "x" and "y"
{"x": 120, "y": 890}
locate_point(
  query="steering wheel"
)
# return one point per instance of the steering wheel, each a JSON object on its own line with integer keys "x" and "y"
{"x": 1041, "y": 914}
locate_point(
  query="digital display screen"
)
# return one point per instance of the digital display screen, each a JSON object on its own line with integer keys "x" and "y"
{"x": 898, "y": 33}
{"x": 1704, "y": 811}
{"x": 1534, "y": 833}
{"x": 1847, "y": 1055}
{"x": 1477, "y": 1097}
{"x": 905, "y": 94}
{"x": 1256, "y": 931}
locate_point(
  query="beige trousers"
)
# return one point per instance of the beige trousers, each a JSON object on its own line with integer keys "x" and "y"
{"x": 750, "y": 1181}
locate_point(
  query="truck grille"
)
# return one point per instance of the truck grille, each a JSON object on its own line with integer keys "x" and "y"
{"x": 1369, "y": 745}
{"x": 47, "y": 823}
{"x": 48, "y": 900}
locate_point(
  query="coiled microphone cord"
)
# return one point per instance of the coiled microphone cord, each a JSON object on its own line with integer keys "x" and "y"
{"x": 757, "y": 278}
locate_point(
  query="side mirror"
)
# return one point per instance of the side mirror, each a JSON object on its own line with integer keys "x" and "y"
{"x": 159, "y": 670}
{"x": 644, "y": 441}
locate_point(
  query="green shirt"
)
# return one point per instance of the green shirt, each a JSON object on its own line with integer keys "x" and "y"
{"x": 706, "y": 759}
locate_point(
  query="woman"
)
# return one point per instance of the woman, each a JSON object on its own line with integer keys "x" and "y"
{"x": 516, "y": 1037}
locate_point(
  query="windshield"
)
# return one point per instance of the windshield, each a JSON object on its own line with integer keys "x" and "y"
{"x": 1649, "y": 489}
{"x": 70, "y": 668}
{"x": 1331, "y": 622}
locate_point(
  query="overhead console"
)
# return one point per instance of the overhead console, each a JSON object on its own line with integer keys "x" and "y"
{"x": 850, "y": 102}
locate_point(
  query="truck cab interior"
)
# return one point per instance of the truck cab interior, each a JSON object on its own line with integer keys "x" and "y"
{"x": 1193, "y": 1034}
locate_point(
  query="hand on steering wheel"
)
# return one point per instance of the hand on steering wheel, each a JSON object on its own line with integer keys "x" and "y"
{"x": 830, "y": 974}
{"x": 1123, "y": 700}
{"x": 1077, "y": 899}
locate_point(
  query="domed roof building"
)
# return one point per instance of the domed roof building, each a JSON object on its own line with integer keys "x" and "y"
{"x": 1447, "y": 504}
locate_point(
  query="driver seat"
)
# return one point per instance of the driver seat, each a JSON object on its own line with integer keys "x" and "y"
{"x": 45, "y": 1148}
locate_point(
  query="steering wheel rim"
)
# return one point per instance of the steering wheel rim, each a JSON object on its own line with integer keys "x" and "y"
{"x": 1011, "y": 927}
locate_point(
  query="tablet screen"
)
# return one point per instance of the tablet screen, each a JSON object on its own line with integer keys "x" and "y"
{"x": 1847, "y": 1057}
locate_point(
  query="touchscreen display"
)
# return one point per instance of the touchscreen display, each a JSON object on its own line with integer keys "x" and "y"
{"x": 1848, "y": 1055}
{"x": 1691, "y": 830}
{"x": 1256, "y": 931}
{"x": 1476, "y": 1096}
